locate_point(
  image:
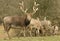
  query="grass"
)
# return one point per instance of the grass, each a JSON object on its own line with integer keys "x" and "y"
{"x": 44, "y": 38}
{"x": 47, "y": 38}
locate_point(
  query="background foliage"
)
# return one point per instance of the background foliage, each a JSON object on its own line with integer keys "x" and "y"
{"x": 48, "y": 8}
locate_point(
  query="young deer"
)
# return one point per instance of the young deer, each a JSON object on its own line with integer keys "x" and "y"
{"x": 36, "y": 23}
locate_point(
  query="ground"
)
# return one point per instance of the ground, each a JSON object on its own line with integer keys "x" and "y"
{"x": 42, "y": 38}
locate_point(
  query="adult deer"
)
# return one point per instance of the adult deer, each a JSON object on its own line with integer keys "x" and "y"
{"x": 22, "y": 21}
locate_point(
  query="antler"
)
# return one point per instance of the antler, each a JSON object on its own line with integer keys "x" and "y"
{"x": 22, "y": 7}
{"x": 35, "y": 7}
{"x": 25, "y": 10}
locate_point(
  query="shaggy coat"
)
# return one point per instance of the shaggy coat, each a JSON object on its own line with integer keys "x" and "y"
{"x": 36, "y": 23}
{"x": 15, "y": 20}
{"x": 21, "y": 21}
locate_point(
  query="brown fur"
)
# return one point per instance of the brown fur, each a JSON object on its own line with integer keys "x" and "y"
{"x": 21, "y": 21}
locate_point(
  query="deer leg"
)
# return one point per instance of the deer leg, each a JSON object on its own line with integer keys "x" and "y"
{"x": 37, "y": 32}
{"x": 30, "y": 31}
{"x": 24, "y": 31}
{"x": 8, "y": 35}
{"x": 8, "y": 32}
{"x": 42, "y": 31}
{"x": 7, "y": 28}
{"x": 4, "y": 27}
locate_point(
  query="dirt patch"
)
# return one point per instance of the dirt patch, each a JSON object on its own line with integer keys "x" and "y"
{"x": 2, "y": 34}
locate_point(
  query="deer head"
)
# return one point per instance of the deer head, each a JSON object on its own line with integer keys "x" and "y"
{"x": 29, "y": 15}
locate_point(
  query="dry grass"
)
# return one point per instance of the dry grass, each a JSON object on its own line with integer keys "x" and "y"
{"x": 44, "y": 38}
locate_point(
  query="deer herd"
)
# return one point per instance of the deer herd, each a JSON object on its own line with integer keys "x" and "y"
{"x": 26, "y": 21}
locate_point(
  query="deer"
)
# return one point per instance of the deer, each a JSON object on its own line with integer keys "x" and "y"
{"x": 46, "y": 25}
{"x": 54, "y": 29}
{"x": 22, "y": 21}
{"x": 36, "y": 23}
